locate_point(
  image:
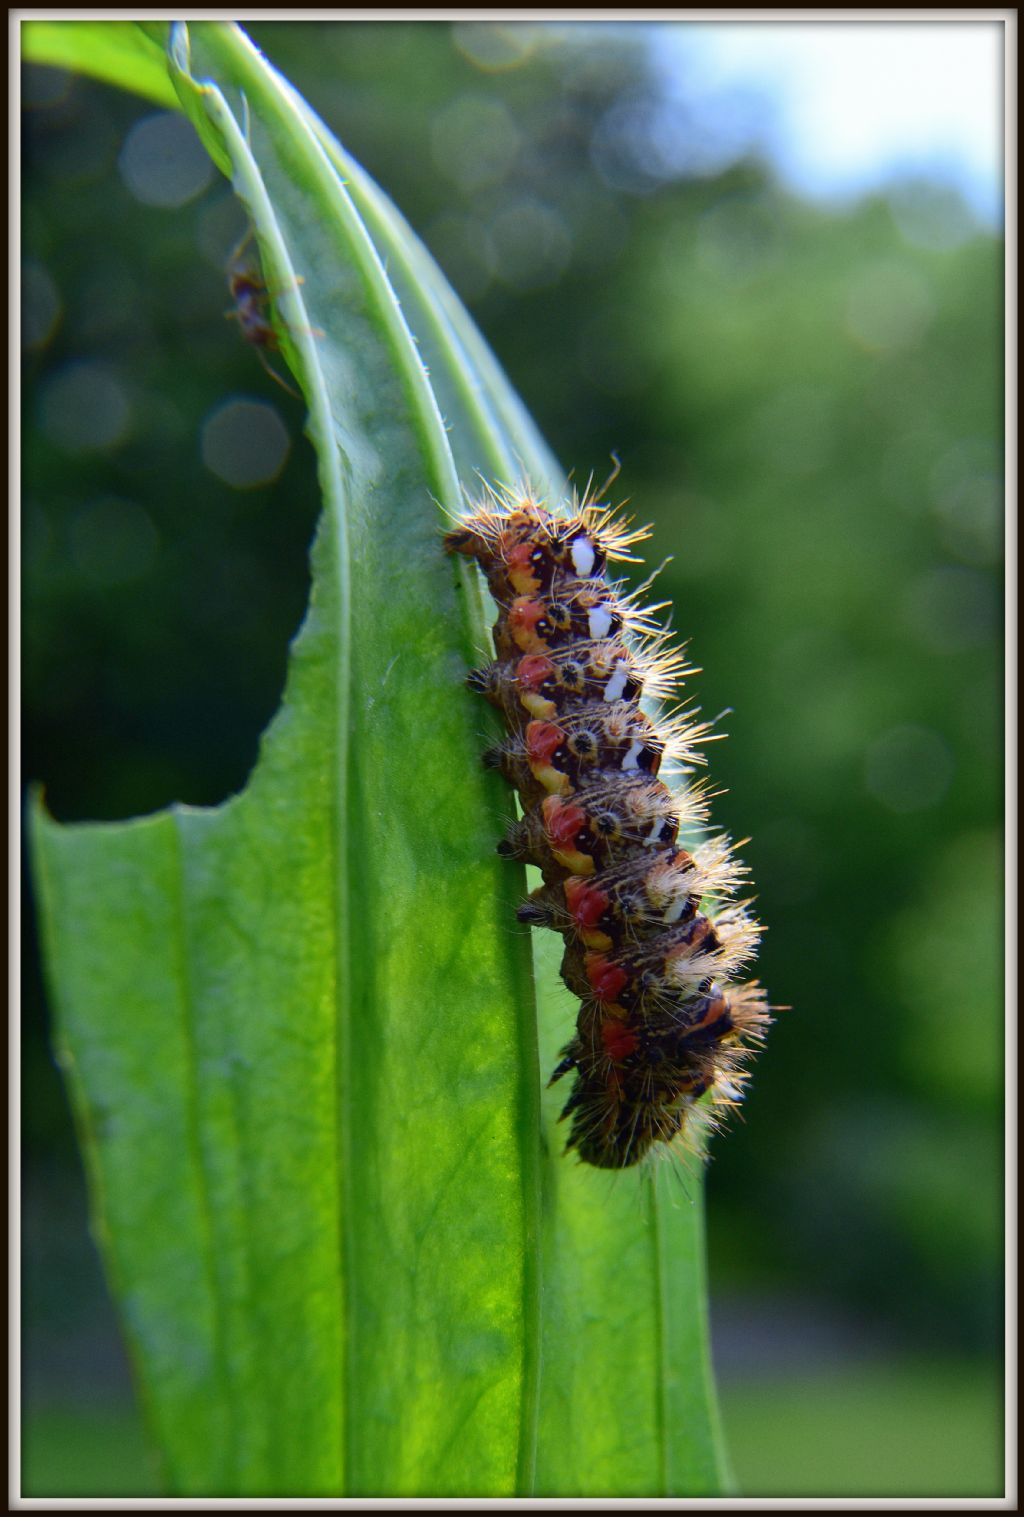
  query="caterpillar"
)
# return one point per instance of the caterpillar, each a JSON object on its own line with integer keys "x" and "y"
{"x": 654, "y": 937}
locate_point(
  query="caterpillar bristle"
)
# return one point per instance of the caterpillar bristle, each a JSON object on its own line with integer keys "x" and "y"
{"x": 534, "y": 914}
{"x": 654, "y": 937}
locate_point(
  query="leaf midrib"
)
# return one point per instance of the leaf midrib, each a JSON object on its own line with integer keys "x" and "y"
{"x": 354, "y": 977}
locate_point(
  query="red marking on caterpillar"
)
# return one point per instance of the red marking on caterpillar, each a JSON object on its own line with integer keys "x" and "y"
{"x": 619, "y": 1041}
{"x": 653, "y": 943}
{"x": 586, "y": 902}
{"x": 606, "y": 979}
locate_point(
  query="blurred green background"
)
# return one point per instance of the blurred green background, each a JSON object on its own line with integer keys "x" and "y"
{"x": 808, "y": 406}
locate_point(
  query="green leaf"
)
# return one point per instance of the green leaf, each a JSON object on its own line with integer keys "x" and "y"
{"x": 300, "y": 1029}
{"x": 123, "y": 53}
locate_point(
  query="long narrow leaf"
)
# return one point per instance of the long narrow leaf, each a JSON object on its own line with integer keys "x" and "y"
{"x": 119, "y": 52}
{"x": 300, "y": 1027}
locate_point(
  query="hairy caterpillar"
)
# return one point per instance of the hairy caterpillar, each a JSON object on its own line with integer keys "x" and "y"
{"x": 653, "y": 937}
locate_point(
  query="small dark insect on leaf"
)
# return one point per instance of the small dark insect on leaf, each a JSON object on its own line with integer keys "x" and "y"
{"x": 252, "y": 298}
